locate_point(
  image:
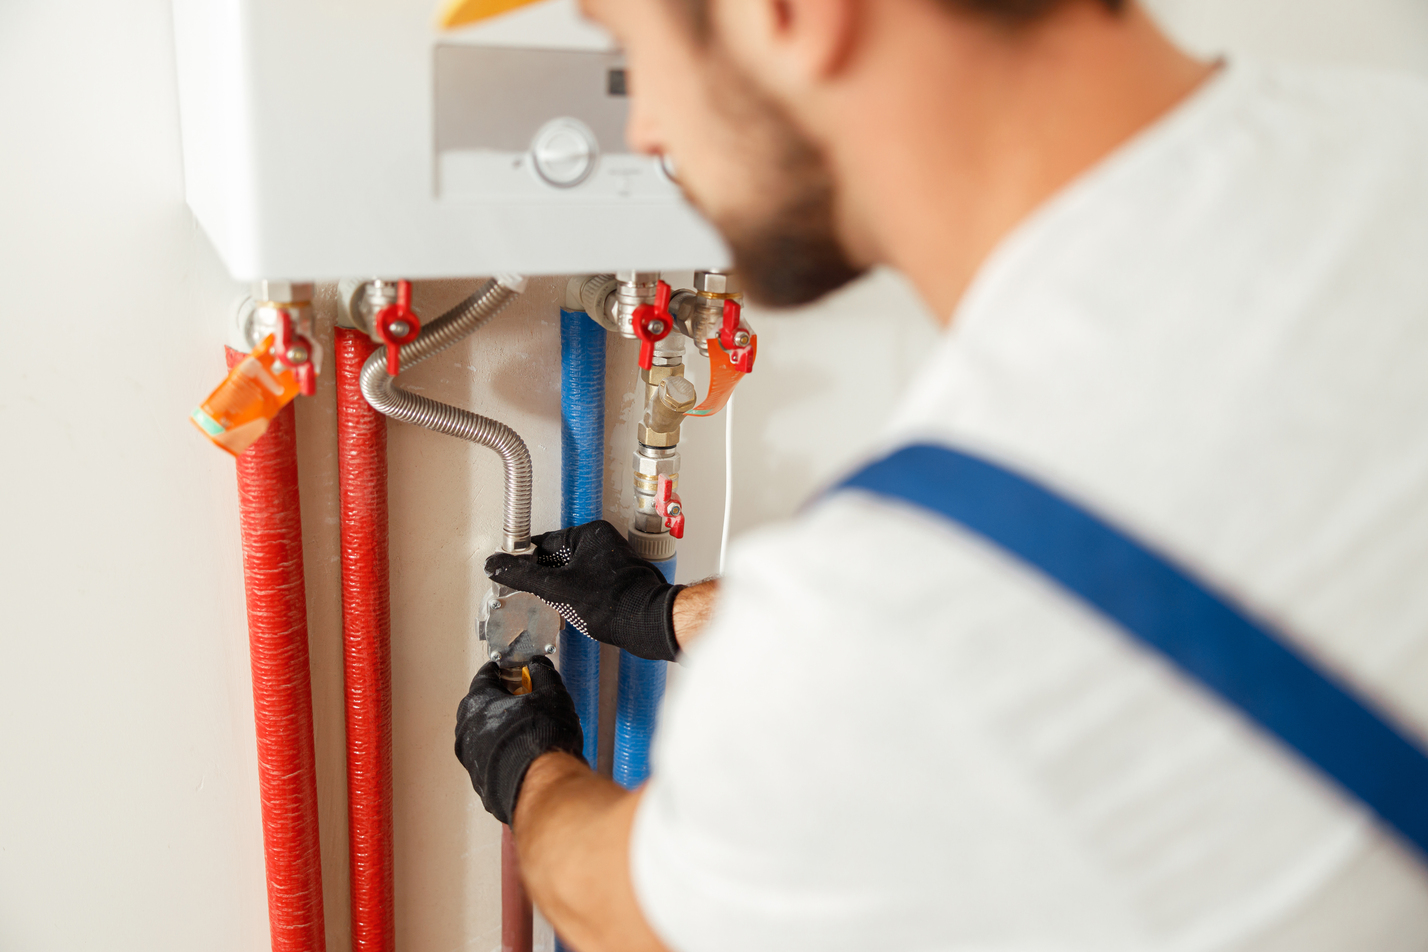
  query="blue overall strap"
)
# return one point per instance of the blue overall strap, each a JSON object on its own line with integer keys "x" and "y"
{"x": 1163, "y": 606}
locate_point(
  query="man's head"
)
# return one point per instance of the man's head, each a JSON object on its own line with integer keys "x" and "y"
{"x": 737, "y": 94}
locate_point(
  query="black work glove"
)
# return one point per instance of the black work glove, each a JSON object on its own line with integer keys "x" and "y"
{"x": 498, "y": 734}
{"x": 594, "y": 579}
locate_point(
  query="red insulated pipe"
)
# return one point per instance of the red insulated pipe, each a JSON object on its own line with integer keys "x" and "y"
{"x": 282, "y": 690}
{"x": 516, "y": 924}
{"x": 366, "y": 647}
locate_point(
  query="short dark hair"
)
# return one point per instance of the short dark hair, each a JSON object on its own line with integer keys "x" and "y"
{"x": 1018, "y": 11}
{"x": 1009, "y": 12}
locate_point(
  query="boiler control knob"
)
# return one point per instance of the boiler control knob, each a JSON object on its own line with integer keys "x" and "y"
{"x": 564, "y": 152}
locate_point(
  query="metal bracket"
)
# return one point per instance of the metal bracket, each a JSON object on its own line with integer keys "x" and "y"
{"x": 517, "y": 627}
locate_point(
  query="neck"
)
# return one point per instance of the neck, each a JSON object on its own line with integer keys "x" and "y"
{"x": 961, "y": 138}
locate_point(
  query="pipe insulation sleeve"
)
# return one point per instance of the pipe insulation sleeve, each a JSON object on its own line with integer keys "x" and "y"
{"x": 366, "y": 647}
{"x": 582, "y": 483}
{"x": 271, "y": 525}
{"x": 641, "y": 691}
{"x": 582, "y": 499}
{"x": 383, "y": 394}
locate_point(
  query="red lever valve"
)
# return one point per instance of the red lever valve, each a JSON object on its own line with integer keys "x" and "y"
{"x": 653, "y": 322}
{"x": 295, "y": 352}
{"x": 397, "y": 324}
{"x": 736, "y": 337}
{"x": 670, "y": 509}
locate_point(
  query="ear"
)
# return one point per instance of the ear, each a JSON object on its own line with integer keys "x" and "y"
{"x": 791, "y": 42}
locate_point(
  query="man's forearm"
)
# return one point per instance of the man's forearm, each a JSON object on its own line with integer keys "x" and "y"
{"x": 693, "y": 607}
{"x": 572, "y": 829}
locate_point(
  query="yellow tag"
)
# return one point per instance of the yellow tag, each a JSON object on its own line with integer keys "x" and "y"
{"x": 461, "y": 12}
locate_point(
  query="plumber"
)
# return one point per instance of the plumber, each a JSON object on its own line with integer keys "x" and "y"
{"x": 1121, "y": 642}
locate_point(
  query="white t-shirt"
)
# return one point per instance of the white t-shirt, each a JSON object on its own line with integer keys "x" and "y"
{"x": 896, "y": 737}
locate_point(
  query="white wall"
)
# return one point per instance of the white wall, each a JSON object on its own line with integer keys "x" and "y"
{"x": 128, "y": 797}
{"x": 128, "y": 808}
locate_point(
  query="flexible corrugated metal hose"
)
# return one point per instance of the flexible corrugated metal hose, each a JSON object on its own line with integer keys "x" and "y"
{"x": 383, "y": 394}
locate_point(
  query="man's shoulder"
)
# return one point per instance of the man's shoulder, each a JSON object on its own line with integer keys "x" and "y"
{"x": 1318, "y": 136}
{"x": 1330, "y": 120}
{"x": 1257, "y": 135}
{"x": 1338, "y": 93}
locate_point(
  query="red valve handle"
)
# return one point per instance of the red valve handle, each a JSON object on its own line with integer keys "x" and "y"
{"x": 670, "y": 509}
{"x": 306, "y": 376}
{"x": 283, "y": 341}
{"x": 645, "y": 316}
{"x": 740, "y": 355}
{"x": 394, "y": 313}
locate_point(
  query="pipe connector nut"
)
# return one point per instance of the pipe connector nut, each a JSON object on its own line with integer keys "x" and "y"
{"x": 653, "y": 469}
{"x": 717, "y": 282}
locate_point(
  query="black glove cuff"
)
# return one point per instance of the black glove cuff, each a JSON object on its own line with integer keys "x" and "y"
{"x": 645, "y": 622}
{"x": 506, "y": 773}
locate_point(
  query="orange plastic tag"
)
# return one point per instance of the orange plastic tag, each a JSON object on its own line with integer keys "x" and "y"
{"x": 239, "y": 411}
{"x": 723, "y": 378}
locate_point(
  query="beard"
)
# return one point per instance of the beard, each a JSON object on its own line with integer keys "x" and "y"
{"x": 784, "y": 243}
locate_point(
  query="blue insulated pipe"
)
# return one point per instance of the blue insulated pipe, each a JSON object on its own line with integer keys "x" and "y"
{"x": 582, "y": 491}
{"x": 641, "y": 690}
